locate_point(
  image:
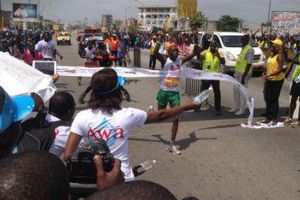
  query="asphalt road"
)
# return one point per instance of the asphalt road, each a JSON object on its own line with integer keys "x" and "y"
{"x": 220, "y": 160}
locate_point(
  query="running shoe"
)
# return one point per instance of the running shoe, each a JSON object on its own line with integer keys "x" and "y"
{"x": 173, "y": 149}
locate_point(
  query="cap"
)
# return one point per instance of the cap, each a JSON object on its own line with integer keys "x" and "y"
{"x": 278, "y": 42}
{"x": 13, "y": 109}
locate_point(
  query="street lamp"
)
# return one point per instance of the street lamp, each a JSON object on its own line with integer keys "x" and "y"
{"x": 269, "y": 15}
{"x": 269, "y": 11}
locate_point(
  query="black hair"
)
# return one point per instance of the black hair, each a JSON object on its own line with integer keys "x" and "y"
{"x": 105, "y": 95}
{"x": 33, "y": 176}
{"x": 137, "y": 190}
{"x": 246, "y": 38}
{"x": 61, "y": 103}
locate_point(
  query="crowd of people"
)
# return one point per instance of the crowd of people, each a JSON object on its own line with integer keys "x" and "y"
{"x": 27, "y": 126}
{"x": 29, "y": 45}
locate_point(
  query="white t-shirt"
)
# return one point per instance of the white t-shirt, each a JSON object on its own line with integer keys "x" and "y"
{"x": 170, "y": 82}
{"x": 61, "y": 138}
{"x": 46, "y": 48}
{"x": 114, "y": 129}
{"x": 89, "y": 53}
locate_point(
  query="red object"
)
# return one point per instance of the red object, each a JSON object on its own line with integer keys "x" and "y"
{"x": 38, "y": 56}
{"x": 110, "y": 58}
{"x": 91, "y": 64}
{"x": 91, "y": 31}
{"x": 27, "y": 57}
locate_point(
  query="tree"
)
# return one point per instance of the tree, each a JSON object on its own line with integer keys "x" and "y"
{"x": 197, "y": 21}
{"x": 133, "y": 28}
{"x": 229, "y": 23}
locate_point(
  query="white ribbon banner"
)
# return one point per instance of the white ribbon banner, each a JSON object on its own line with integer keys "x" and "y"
{"x": 143, "y": 73}
{"x": 18, "y": 78}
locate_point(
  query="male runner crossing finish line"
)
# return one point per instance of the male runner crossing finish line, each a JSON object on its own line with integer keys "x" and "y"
{"x": 169, "y": 89}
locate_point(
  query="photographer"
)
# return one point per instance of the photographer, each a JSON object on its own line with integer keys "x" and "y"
{"x": 106, "y": 119}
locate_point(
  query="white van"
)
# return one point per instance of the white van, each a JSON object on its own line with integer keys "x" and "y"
{"x": 230, "y": 45}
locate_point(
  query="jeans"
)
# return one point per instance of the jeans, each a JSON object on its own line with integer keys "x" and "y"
{"x": 271, "y": 95}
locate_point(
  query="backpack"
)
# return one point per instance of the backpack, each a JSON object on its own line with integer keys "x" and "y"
{"x": 40, "y": 136}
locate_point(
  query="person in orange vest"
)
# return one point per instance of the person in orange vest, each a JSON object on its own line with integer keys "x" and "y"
{"x": 114, "y": 45}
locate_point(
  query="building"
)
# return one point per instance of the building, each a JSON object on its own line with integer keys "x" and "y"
{"x": 187, "y": 8}
{"x": 5, "y": 19}
{"x": 107, "y": 20}
{"x": 160, "y": 16}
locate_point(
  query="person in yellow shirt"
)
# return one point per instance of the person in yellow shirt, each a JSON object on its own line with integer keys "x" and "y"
{"x": 152, "y": 61}
{"x": 274, "y": 76}
{"x": 295, "y": 90}
{"x": 168, "y": 44}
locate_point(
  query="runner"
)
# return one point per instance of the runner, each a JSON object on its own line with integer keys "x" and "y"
{"x": 169, "y": 89}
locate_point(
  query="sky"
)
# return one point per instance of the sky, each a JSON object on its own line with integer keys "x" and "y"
{"x": 252, "y": 12}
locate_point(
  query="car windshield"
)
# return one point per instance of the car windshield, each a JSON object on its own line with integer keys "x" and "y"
{"x": 235, "y": 41}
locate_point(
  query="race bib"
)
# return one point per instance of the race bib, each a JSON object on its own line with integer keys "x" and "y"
{"x": 172, "y": 82}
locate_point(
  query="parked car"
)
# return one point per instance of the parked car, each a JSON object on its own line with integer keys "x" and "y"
{"x": 230, "y": 45}
{"x": 64, "y": 38}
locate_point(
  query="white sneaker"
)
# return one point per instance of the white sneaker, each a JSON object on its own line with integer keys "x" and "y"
{"x": 173, "y": 149}
{"x": 240, "y": 112}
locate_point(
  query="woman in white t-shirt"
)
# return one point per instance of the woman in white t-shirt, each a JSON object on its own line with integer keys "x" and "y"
{"x": 106, "y": 119}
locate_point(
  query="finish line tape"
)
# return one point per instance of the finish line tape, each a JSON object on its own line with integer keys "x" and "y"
{"x": 73, "y": 71}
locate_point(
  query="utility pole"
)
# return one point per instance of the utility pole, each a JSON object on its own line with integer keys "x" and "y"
{"x": 1, "y": 26}
{"x": 269, "y": 15}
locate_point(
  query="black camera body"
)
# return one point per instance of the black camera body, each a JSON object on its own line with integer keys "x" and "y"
{"x": 81, "y": 167}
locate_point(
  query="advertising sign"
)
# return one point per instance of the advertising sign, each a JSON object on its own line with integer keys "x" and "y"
{"x": 25, "y": 12}
{"x": 187, "y": 8}
{"x": 284, "y": 22}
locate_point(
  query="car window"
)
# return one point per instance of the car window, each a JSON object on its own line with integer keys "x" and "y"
{"x": 232, "y": 41}
{"x": 235, "y": 41}
{"x": 216, "y": 39}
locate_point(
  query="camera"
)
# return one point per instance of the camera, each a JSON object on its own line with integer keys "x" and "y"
{"x": 81, "y": 167}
